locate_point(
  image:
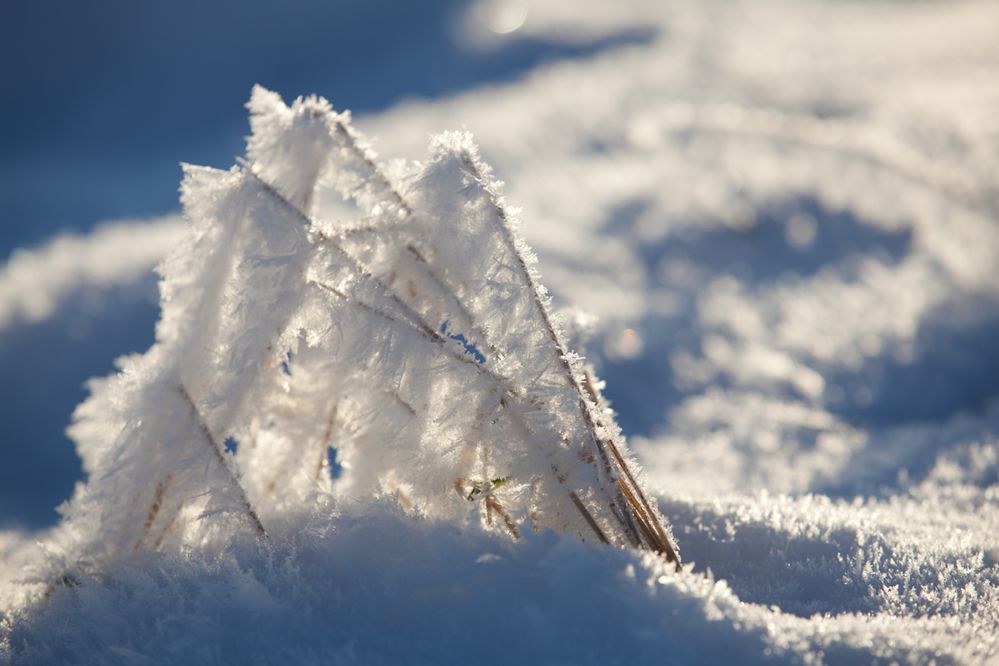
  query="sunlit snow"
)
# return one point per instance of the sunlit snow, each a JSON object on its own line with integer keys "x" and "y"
{"x": 774, "y": 227}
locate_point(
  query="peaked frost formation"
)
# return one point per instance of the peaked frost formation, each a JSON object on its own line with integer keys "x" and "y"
{"x": 326, "y": 335}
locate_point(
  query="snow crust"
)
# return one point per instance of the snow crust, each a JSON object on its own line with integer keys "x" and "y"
{"x": 792, "y": 270}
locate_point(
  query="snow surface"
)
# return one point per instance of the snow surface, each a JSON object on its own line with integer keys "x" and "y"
{"x": 783, "y": 217}
{"x": 35, "y": 283}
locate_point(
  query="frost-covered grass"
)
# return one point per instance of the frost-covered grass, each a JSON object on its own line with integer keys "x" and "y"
{"x": 317, "y": 307}
{"x": 783, "y": 217}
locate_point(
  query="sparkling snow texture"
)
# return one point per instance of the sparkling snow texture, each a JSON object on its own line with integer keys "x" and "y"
{"x": 778, "y": 222}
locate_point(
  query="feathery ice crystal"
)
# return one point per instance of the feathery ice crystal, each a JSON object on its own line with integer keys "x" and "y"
{"x": 328, "y": 333}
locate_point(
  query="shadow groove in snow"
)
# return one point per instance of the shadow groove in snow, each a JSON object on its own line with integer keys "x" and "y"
{"x": 793, "y": 237}
{"x": 806, "y": 567}
{"x": 952, "y": 367}
{"x": 948, "y": 375}
{"x": 762, "y": 564}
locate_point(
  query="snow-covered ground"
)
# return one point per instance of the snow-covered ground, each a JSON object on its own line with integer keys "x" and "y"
{"x": 780, "y": 219}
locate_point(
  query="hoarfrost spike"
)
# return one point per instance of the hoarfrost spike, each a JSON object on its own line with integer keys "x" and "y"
{"x": 317, "y": 306}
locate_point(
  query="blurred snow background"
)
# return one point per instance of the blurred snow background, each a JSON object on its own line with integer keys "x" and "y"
{"x": 778, "y": 221}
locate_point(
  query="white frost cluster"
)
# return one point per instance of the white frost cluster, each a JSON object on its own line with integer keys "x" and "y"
{"x": 328, "y": 337}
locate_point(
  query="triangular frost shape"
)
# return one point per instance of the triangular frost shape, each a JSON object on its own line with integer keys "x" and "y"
{"x": 410, "y": 344}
